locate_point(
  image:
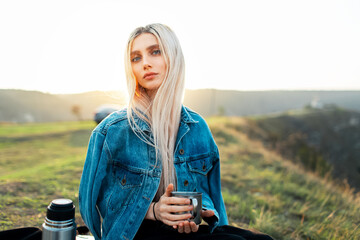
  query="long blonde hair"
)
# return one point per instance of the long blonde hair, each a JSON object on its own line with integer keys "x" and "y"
{"x": 163, "y": 112}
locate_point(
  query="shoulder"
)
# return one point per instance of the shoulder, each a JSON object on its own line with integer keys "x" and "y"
{"x": 199, "y": 129}
{"x": 117, "y": 118}
{"x": 198, "y": 122}
{"x": 191, "y": 116}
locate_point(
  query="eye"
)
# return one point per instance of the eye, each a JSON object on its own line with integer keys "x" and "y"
{"x": 135, "y": 59}
{"x": 156, "y": 52}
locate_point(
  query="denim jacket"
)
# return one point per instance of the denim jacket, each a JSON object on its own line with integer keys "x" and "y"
{"x": 119, "y": 179}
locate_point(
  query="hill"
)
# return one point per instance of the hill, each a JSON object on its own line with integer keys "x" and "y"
{"x": 209, "y": 102}
{"x": 262, "y": 191}
{"x": 322, "y": 140}
{"x": 32, "y": 106}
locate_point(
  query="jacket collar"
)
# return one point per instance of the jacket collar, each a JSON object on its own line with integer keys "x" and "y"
{"x": 144, "y": 126}
{"x": 185, "y": 116}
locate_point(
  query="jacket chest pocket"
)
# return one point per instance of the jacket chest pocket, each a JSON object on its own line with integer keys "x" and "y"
{"x": 199, "y": 169}
{"x": 200, "y": 166}
{"x": 126, "y": 187}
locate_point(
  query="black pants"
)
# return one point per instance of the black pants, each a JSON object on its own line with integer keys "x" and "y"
{"x": 151, "y": 230}
{"x": 26, "y": 233}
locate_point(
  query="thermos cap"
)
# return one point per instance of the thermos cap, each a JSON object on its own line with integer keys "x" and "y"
{"x": 61, "y": 210}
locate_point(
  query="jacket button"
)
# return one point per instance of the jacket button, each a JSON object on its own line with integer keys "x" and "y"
{"x": 186, "y": 182}
{"x": 181, "y": 151}
{"x": 123, "y": 181}
{"x": 204, "y": 168}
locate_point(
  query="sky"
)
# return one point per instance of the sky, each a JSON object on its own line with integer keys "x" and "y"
{"x": 73, "y": 46}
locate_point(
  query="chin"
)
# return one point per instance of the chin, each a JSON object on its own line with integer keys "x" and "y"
{"x": 152, "y": 87}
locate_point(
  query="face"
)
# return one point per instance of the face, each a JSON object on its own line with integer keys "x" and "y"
{"x": 147, "y": 62}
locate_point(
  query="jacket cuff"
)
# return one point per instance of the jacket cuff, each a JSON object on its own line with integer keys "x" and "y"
{"x": 213, "y": 221}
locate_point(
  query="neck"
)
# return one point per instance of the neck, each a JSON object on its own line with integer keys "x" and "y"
{"x": 151, "y": 93}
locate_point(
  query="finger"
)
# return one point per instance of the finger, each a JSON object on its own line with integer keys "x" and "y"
{"x": 176, "y": 217}
{"x": 172, "y": 223}
{"x": 169, "y": 189}
{"x": 187, "y": 228}
{"x": 181, "y": 227}
{"x": 207, "y": 213}
{"x": 177, "y": 201}
{"x": 179, "y": 209}
{"x": 194, "y": 227}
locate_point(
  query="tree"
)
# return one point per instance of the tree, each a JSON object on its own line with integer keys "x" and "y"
{"x": 76, "y": 110}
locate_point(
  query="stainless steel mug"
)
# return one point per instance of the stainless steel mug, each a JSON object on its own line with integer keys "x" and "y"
{"x": 60, "y": 221}
{"x": 195, "y": 200}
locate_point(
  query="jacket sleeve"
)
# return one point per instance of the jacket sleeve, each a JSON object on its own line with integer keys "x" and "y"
{"x": 93, "y": 173}
{"x": 214, "y": 182}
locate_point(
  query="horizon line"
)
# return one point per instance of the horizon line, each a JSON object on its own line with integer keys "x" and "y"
{"x": 190, "y": 89}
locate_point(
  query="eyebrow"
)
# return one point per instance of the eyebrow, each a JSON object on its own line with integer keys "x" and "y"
{"x": 148, "y": 48}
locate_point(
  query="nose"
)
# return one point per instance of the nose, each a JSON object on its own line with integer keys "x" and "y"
{"x": 146, "y": 66}
{"x": 146, "y": 63}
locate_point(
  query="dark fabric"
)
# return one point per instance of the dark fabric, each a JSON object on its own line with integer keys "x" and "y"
{"x": 151, "y": 230}
{"x": 31, "y": 233}
{"x": 83, "y": 230}
{"x": 27, "y": 233}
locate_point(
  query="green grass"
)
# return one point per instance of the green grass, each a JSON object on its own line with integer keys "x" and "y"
{"x": 9, "y": 130}
{"x": 42, "y": 164}
{"x": 261, "y": 190}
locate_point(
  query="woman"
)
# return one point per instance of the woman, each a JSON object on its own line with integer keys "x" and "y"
{"x": 138, "y": 156}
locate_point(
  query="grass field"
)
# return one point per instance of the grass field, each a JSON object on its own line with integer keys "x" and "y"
{"x": 41, "y": 162}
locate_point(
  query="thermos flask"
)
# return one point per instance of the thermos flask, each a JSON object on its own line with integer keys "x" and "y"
{"x": 59, "y": 222}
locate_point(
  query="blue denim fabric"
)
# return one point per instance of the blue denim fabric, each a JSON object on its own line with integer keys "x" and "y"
{"x": 120, "y": 179}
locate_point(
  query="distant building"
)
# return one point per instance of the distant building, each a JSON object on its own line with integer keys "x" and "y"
{"x": 315, "y": 103}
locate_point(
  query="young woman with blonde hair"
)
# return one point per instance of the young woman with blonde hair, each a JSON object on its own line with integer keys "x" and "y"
{"x": 138, "y": 156}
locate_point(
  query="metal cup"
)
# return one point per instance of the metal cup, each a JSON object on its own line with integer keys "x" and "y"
{"x": 195, "y": 200}
{"x": 60, "y": 221}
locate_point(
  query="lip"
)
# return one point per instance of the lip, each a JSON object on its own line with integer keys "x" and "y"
{"x": 149, "y": 75}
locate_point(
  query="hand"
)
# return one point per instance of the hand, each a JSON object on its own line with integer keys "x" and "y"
{"x": 189, "y": 227}
{"x": 167, "y": 206}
